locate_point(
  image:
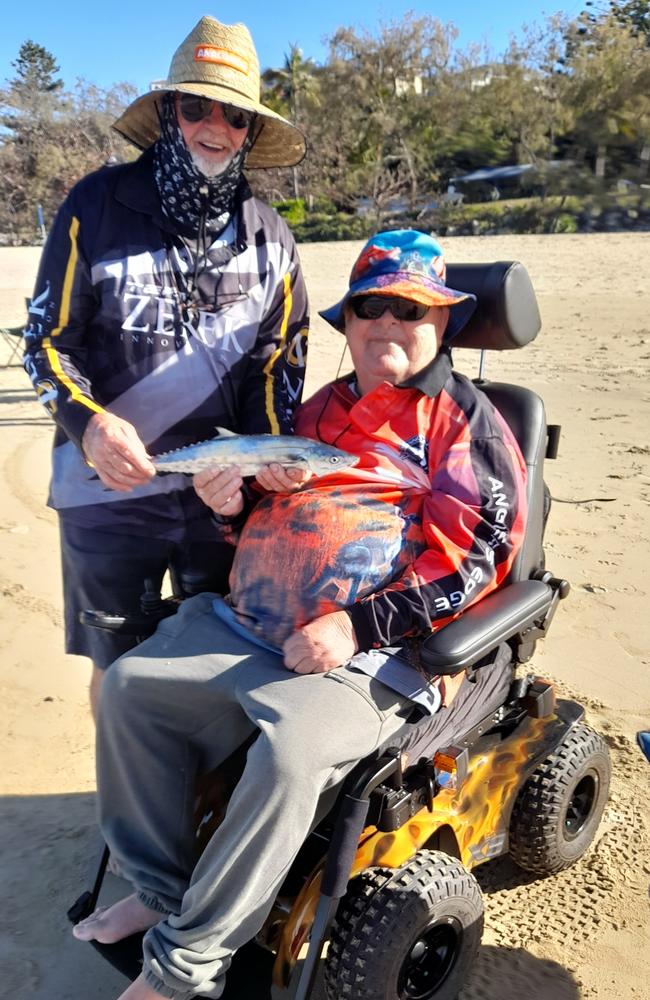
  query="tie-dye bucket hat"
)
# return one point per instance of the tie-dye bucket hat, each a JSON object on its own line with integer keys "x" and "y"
{"x": 409, "y": 265}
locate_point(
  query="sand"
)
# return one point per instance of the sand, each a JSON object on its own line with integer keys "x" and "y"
{"x": 583, "y": 933}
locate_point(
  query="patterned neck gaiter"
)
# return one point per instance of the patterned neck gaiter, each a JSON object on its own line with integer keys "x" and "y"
{"x": 194, "y": 202}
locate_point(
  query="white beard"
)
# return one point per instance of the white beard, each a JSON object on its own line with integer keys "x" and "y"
{"x": 208, "y": 167}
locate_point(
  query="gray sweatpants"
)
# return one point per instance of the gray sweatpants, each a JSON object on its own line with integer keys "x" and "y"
{"x": 177, "y": 706}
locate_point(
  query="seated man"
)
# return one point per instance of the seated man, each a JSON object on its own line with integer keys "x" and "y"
{"x": 325, "y": 579}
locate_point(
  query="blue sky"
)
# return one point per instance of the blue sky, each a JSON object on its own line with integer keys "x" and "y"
{"x": 112, "y": 42}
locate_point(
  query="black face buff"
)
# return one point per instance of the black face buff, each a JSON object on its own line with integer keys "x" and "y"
{"x": 192, "y": 200}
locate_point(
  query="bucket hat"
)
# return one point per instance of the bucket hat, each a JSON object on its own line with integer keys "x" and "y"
{"x": 409, "y": 265}
{"x": 217, "y": 61}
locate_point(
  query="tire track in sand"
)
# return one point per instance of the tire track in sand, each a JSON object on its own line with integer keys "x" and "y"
{"x": 17, "y": 481}
{"x": 16, "y": 593}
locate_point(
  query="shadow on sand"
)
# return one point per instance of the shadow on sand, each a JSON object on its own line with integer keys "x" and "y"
{"x": 36, "y": 417}
{"x": 49, "y": 850}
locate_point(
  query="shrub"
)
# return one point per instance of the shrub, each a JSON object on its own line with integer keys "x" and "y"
{"x": 566, "y": 223}
{"x": 292, "y": 210}
{"x": 324, "y": 226}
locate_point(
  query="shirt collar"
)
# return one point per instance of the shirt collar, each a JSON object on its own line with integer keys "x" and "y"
{"x": 430, "y": 379}
{"x": 136, "y": 190}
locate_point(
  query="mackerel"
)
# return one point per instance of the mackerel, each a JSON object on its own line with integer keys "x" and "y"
{"x": 251, "y": 452}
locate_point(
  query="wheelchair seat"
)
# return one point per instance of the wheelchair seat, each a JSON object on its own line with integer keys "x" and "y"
{"x": 497, "y": 632}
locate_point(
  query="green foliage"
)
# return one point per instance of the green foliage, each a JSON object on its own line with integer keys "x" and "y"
{"x": 555, "y": 214}
{"x": 607, "y": 90}
{"x": 292, "y": 88}
{"x": 323, "y": 204}
{"x": 566, "y": 223}
{"x": 324, "y": 226}
{"x": 35, "y": 68}
{"x": 292, "y": 210}
{"x": 633, "y": 15}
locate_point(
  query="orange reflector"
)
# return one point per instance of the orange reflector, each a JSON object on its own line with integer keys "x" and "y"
{"x": 444, "y": 762}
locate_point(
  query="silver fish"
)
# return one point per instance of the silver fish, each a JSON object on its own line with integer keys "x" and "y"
{"x": 251, "y": 452}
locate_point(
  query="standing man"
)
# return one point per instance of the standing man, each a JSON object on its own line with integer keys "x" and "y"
{"x": 169, "y": 302}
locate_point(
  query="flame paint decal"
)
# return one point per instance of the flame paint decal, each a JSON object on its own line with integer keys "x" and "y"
{"x": 478, "y": 815}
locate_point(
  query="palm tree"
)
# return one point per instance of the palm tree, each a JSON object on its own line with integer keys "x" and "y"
{"x": 288, "y": 90}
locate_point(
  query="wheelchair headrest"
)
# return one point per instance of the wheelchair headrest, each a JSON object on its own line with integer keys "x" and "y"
{"x": 506, "y": 315}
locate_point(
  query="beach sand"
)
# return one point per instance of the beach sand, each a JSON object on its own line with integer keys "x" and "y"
{"x": 582, "y": 933}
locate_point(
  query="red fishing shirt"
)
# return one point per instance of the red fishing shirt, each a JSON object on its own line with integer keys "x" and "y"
{"x": 428, "y": 522}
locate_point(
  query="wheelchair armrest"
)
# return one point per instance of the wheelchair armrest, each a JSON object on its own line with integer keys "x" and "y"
{"x": 483, "y": 626}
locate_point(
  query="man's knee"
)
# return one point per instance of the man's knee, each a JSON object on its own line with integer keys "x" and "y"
{"x": 126, "y": 685}
{"x": 305, "y": 757}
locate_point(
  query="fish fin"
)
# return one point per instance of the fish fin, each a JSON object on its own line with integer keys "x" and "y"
{"x": 225, "y": 433}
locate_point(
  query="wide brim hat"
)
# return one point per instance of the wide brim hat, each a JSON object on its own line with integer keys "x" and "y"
{"x": 405, "y": 264}
{"x": 217, "y": 61}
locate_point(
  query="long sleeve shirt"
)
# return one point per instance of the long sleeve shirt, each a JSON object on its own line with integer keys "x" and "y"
{"x": 427, "y": 522}
{"x": 108, "y": 331}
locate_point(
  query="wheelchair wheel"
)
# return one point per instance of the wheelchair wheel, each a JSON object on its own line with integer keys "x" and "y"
{"x": 410, "y": 933}
{"x": 558, "y": 809}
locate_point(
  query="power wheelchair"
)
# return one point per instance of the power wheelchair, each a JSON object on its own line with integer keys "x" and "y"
{"x": 386, "y": 878}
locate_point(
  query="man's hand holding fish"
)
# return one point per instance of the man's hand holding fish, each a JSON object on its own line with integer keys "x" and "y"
{"x": 115, "y": 451}
{"x": 222, "y": 489}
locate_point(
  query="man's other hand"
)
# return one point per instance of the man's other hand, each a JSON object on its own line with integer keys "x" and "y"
{"x": 221, "y": 490}
{"x": 321, "y": 645}
{"x": 115, "y": 451}
{"x": 275, "y": 478}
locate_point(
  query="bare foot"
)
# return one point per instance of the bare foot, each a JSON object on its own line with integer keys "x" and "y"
{"x": 108, "y": 925}
{"x": 113, "y": 866}
{"x": 139, "y": 990}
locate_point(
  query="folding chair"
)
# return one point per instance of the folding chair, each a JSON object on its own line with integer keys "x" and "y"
{"x": 12, "y": 336}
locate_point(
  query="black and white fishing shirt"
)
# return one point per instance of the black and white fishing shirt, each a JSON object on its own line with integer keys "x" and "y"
{"x": 123, "y": 320}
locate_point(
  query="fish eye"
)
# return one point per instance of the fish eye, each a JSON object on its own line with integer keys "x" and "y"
{"x": 334, "y": 459}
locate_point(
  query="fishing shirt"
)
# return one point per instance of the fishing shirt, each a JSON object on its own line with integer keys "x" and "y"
{"x": 428, "y": 522}
{"x": 107, "y": 331}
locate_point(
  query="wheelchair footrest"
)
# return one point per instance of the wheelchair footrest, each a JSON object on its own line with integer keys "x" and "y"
{"x": 81, "y": 908}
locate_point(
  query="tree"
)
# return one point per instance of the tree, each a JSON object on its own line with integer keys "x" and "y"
{"x": 608, "y": 90}
{"x": 27, "y": 111}
{"x": 381, "y": 88}
{"x": 633, "y": 15}
{"x": 51, "y": 138}
{"x": 524, "y": 102}
{"x": 35, "y": 68}
{"x": 291, "y": 91}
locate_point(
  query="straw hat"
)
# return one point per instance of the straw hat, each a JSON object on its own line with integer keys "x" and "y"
{"x": 218, "y": 61}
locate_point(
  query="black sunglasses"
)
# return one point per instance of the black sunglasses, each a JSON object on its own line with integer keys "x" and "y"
{"x": 194, "y": 109}
{"x": 374, "y": 306}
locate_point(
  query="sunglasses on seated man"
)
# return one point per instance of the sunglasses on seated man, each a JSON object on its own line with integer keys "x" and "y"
{"x": 374, "y": 306}
{"x": 194, "y": 109}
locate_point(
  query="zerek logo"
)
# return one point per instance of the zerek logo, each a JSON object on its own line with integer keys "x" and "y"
{"x": 157, "y": 320}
